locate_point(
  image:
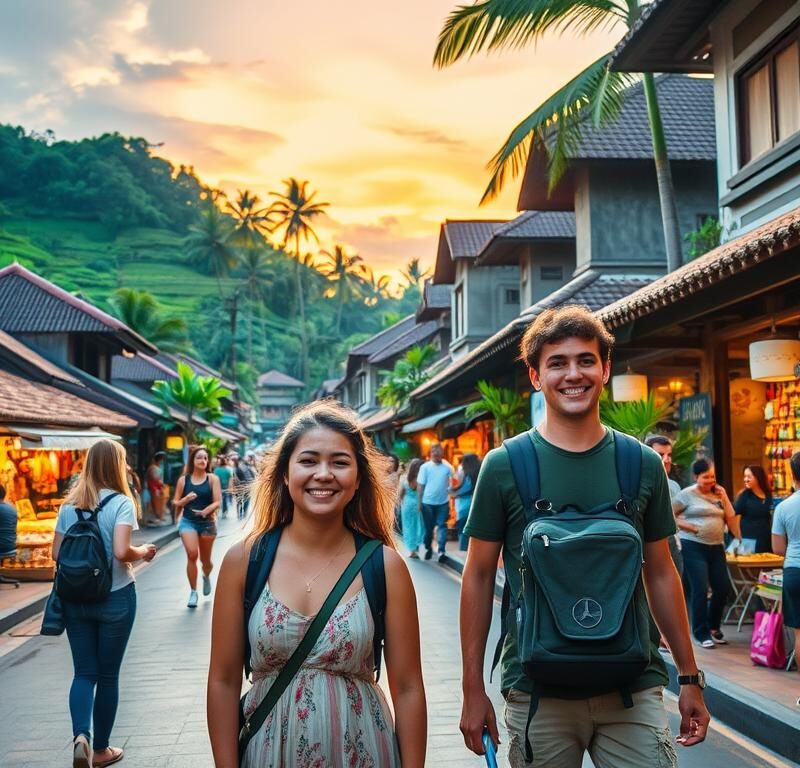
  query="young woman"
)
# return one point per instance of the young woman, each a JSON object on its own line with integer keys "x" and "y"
{"x": 754, "y": 507}
{"x": 701, "y": 511}
{"x": 321, "y": 482}
{"x": 466, "y": 478}
{"x": 410, "y": 520}
{"x": 98, "y": 632}
{"x": 197, "y": 498}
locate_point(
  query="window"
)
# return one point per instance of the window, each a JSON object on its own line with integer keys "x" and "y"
{"x": 769, "y": 98}
{"x": 552, "y": 273}
{"x": 511, "y": 295}
{"x": 459, "y": 326}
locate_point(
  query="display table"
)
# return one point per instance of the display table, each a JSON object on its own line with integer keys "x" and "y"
{"x": 744, "y": 571}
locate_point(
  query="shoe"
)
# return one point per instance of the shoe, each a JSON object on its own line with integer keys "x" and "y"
{"x": 414, "y": 555}
{"x": 81, "y": 753}
{"x": 206, "y": 586}
{"x": 718, "y": 637}
{"x": 428, "y": 554}
{"x": 192, "y": 603}
{"x": 442, "y": 557}
{"x": 707, "y": 643}
{"x": 116, "y": 755}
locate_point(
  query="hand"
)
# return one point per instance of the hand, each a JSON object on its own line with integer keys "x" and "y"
{"x": 694, "y": 716}
{"x": 721, "y": 492}
{"x": 149, "y": 552}
{"x": 477, "y": 713}
{"x": 191, "y": 495}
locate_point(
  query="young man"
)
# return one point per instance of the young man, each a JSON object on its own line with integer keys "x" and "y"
{"x": 433, "y": 485}
{"x": 567, "y": 352}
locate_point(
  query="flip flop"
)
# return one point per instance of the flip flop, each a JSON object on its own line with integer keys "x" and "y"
{"x": 116, "y": 755}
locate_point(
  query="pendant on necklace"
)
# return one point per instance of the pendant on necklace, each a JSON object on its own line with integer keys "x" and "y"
{"x": 308, "y": 587}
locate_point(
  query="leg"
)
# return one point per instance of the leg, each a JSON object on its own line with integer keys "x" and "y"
{"x": 205, "y": 543}
{"x": 117, "y": 614}
{"x": 695, "y": 571}
{"x": 720, "y": 586}
{"x": 428, "y": 522}
{"x": 82, "y": 633}
{"x": 442, "y": 516}
{"x": 191, "y": 545}
{"x": 635, "y": 737}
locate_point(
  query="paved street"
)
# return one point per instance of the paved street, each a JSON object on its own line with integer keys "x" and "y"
{"x": 161, "y": 720}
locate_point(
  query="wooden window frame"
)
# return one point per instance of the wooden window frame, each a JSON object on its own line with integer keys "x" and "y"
{"x": 766, "y": 57}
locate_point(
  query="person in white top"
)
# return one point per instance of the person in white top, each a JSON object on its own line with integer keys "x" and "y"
{"x": 433, "y": 499}
{"x": 98, "y": 632}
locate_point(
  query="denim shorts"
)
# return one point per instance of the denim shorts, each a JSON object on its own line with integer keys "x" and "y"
{"x": 201, "y": 527}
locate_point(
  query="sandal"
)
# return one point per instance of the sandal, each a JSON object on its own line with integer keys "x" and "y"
{"x": 81, "y": 752}
{"x": 116, "y": 755}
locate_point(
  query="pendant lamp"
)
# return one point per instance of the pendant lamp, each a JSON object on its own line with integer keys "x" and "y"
{"x": 629, "y": 386}
{"x": 775, "y": 360}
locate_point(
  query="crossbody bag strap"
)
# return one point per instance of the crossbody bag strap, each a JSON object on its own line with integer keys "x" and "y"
{"x": 292, "y": 666}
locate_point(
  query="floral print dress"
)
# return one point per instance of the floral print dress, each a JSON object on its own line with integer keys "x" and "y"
{"x": 332, "y": 714}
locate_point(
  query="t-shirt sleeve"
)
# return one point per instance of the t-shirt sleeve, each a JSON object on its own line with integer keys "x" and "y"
{"x": 61, "y": 520}
{"x": 126, "y": 514}
{"x": 487, "y": 519}
{"x": 740, "y": 504}
{"x": 659, "y": 522}
{"x": 422, "y": 477}
{"x": 680, "y": 501}
{"x": 778, "y": 521}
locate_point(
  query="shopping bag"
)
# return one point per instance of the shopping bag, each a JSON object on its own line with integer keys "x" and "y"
{"x": 767, "y": 646}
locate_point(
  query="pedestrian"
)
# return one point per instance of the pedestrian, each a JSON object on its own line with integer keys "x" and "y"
{"x": 98, "y": 632}
{"x": 702, "y": 511}
{"x": 410, "y": 518}
{"x": 225, "y": 474}
{"x": 433, "y": 485}
{"x": 786, "y": 542}
{"x": 244, "y": 475}
{"x": 394, "y": 480}
{"x": 322, "y": 483}
{"x": 135, "y": 485}
{"x": 663, "y": 447}
{"x": 754, "y": 507}
{"x": 197, "y": 499}
{"x": 466, "y": 478}
{"x": 154, "y": 479}
{"x": 567, "y": 352}
{"x": 8, "y": 525}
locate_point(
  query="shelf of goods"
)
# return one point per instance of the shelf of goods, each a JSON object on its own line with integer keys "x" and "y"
{"x": 781, "y": 433}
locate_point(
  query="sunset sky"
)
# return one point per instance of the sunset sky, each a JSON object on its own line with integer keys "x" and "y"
{"x": 340, "y": 93}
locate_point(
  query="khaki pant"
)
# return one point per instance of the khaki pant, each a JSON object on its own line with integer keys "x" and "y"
{"x": 615, "y": 737}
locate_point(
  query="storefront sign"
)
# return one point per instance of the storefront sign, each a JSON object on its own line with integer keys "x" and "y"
{"x": 537, "y": 408}
{"x": 695, "y": 412}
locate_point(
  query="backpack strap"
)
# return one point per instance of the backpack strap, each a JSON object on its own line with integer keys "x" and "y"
{"x": 93, "y": 513}
{"x": 628, "y": 459}
{"x": 262, "y": 556}
{"x": 525, "y": 468}
{"x": 374, "y": 575}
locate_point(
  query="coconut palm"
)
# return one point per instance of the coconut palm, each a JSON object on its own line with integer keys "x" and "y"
{"x": 256, "y": 275}
{"x": 506, "y": 407}
{"x": 293, "y": 212}
{"x": 374, "y": 287}
{"x": 210, "y": 244}
{"x": 554, "y": 127}
{"x": 344, "y": 271}
{"x": 414, "y": 274}
{"x": 140, "y": 311}
{"x": 253, "y": 222}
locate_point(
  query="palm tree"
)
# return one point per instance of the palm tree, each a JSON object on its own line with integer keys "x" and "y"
{"x": 140, "y": 311}
{"x": 210, "y": 243}
{"x": 408, "y": 373}
{"x": 414, "y": 274}
{"x": 252, "y": 222}
{"x": 374, "y": 288}
{"x": 293, "y": 211}
{"x": 554, "y": 127}
{"x": 506, "y": 407}
{"x": 344, "y": 271}
{"x": 256, "y": 279}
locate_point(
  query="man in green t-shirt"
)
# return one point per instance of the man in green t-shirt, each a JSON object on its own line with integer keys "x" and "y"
{"x": 567, "y": 352}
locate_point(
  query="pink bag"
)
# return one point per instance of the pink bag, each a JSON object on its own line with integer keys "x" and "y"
{"x": 767, "y": 646}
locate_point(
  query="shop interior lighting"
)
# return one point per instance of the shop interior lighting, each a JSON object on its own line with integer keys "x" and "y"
{"x": 775, "y": 359}
{"x": 628, "y": 386}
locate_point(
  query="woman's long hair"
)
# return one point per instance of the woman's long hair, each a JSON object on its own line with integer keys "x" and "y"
{"x": 370, "y": 511}
{"x": 761, "y": 478}
{"x": 413, "y": 472}
{"x": 105, "y": 467}
{"x": 471, "y": 464}
{"x": 193, "y": 451}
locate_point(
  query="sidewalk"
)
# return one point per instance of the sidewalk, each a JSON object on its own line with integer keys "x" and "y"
{"x": 20, "y": 603}
{"x": 756, "y": 701}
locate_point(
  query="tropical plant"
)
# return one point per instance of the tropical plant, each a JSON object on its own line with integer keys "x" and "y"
{"x": 703, "y": 239}
{"x": 141, "y": 312}
{"x": 197, "y": 396}
{"x": 414, "y": 274}
{"x": 408, "y": 373}
{"x": 635, "y": 417}
{"x": 374, "y": 287}
{"x": 506, "y": 407}
{"x": 293, "y": 212}
{"x": 256, "y": 276}
{"x": 210, "y": 244}
{"x": 344, "y": 271}
{"x": 252, "y": 222}
{"x": 553, "y": 129}
{"x": 685, "y": 445}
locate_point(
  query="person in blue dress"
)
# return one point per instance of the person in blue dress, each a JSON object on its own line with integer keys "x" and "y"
{"x": 466, "y": 477}
{"x": 410, "y": 519}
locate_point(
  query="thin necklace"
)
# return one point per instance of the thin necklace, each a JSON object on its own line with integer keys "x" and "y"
{"x": 325, "y": 568}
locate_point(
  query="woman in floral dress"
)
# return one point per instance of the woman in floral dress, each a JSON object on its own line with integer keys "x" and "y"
{"x": 322, "y": 481}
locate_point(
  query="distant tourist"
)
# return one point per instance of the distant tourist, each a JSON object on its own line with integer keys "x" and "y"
{"x": 754, "y": 507}
{"x": 225, "y": 474}
{"x": 8, "y": 524}
{"x": 154, "y": 479}
{"x": 244, "y": 473}
{"x": 663, "y": 447}
{"x": 466, "y": 478}
{"x": 434, "y": 485}
{"x": 410, "y": 517}
{"x": 197, "y": 499}
{"x": 98, "y": 632}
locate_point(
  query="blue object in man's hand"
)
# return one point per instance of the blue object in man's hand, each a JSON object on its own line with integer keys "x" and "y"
{"x": 491, "y": 750}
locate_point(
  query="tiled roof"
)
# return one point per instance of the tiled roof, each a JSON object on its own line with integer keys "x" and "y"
{"x": 435, "y": 299}
{"x": 380, "y": 340}
{"x": 591, "y": 289}
{"x": 415, "y": 335}
{"x": 200, "y": 368}
{"x": 377, "y": 419}
{"x": 538, "y": 225}
{"x": 27, "y": 357}
{"x": 278, "y": 379}
{"x": 25, "y": 401}
{"x": 140, "y": 368}
{"x": 743, "y": 253}
{"x": 467, "y": 238}
{"x": 31, "y": 304}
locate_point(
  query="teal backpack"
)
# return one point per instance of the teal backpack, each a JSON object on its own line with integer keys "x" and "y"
{"x": 580, "y": 622}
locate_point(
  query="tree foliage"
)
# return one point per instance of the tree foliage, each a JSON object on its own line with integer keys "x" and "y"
{"x": 140, "y": 311}
{"x": 638, "y": 418}
{"x": 408, "y": 373}
{"x": 506, "y": 406}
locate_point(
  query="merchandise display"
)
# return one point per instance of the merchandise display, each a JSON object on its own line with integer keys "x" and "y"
{"x": 781, "y": 433}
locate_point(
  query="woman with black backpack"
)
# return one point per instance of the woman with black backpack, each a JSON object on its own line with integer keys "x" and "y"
{"x": 97, "y": 518}
{"x": 322, "y": 521}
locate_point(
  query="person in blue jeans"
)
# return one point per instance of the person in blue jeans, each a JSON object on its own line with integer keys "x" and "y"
{"x": 466, "y": 478}
{"x": 433, "y": 487}
{"x": 98, "y": 632}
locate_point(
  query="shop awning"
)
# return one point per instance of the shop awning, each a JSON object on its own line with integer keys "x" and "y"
{"x": 429, "y": 422}
{"x": 378, "y": 419}
{"x": 224, "y": 433}
{"x": 34, "y": 438}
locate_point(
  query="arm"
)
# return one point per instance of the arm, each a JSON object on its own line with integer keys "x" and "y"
{"x": 731, "y": 518}
{"x": 179, "y": 501}
{"x": 665, "y": 597}
{"x": 126, "y": 552}
{"x": 216, "y": 497}
{"x": 227, "y": 659}
{"x": 678, "y": 508}
{"x": 779, "y": 544}
{"x": 475, "y": 618}
{"x": 403, "y": 666}
{"x": 420, "y": 491}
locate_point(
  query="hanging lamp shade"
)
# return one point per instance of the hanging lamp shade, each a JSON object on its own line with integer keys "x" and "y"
{"x": 774, "y": 359}
{"x": 629, "y": 386}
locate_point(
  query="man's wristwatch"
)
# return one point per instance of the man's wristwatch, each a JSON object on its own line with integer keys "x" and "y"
{"x": 699, "y": 679}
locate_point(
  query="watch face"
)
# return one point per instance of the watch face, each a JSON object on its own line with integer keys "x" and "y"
{"x": 701, "y": 679}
